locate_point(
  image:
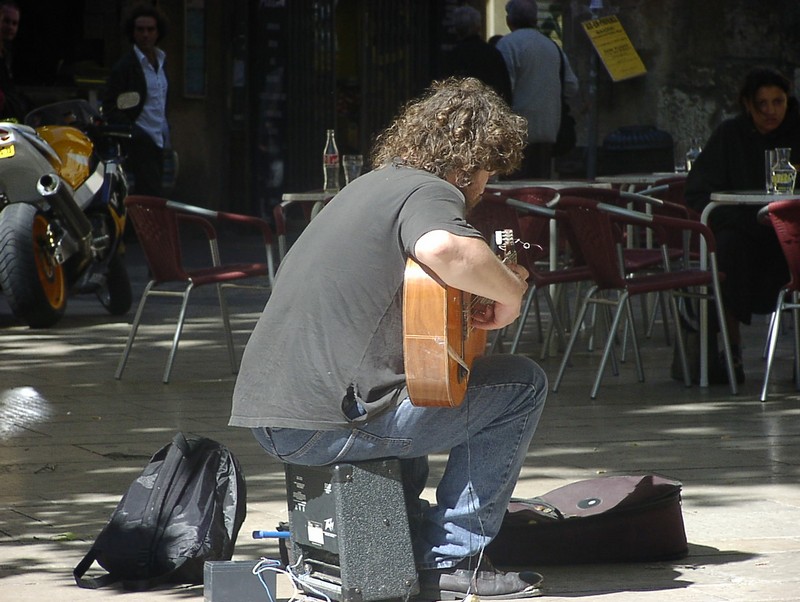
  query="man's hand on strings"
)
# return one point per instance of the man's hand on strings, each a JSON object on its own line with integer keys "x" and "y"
{"x": 492, "y": 316}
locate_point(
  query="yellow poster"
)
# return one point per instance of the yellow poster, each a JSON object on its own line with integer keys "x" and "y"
{"x": 615, "y": 48}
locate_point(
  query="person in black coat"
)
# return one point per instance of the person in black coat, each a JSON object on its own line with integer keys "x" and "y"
{"x": 14, "y": 105}
{"x": 472, "y": 56}
{"x": 139, "y": 81}
{"x": 733, "y": 159}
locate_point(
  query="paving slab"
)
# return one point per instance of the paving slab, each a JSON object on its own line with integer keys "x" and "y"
{"x": 72, "y": 438}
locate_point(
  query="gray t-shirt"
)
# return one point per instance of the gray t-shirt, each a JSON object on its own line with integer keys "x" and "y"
{"x": 330, "y": 338}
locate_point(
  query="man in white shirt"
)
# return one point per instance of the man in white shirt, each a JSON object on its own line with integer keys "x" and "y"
{"x": 534, "y": 64}
{"x": 141, "y": 72}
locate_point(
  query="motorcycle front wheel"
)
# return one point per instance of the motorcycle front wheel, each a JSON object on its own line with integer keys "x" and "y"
{"x": 33, "y": 282}
{"x": 116, "y": 295}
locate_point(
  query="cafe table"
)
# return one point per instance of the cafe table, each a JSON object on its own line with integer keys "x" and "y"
{"x": 316, "y": 199}
{"x": 554, "y": 184}
{"x": 720, "y": 199}
{"x": 631, "y": 181}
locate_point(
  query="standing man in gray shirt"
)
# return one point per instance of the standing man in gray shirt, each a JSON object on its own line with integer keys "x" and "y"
{"x": 534, "y": 64}
{"x": 141, "y": 72}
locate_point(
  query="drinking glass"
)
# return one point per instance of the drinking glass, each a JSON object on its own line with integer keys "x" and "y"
{"x": 680, "y": 158}
{"x": 352, "y": 167}
{"x": 769, "y": 161}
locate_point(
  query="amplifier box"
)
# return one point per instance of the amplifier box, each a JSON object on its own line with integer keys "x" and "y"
{"x": 350, "y": 537}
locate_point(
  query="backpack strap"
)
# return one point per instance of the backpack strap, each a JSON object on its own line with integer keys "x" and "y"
{"x": 91, "y": 582}
{"x": 140, "y": 585}
{"x": 169, "y": 482}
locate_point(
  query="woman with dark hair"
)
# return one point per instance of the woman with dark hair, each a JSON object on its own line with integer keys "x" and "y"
{"x": 323, "y": 376}
{"x": 733, "y": 159}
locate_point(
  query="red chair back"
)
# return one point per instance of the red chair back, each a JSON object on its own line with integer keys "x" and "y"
{"x": 597, "y": 236}
{"x": 604, "y": 195}
{"x": 156, "y": 228}
{"x": 534, "y": 229}
{"x": 539, "y": 195}
{"x": 785, "y": 218}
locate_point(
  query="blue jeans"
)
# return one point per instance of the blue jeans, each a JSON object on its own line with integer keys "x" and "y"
{"x": 487, "y": 436}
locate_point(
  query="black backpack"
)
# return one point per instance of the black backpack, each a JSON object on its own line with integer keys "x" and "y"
{"x": 185, "y": 507}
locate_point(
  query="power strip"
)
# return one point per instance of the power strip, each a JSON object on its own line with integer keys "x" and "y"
{"x": 234, "y": 581}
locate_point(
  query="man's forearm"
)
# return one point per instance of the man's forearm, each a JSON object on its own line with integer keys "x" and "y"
{"x": 468, "y": 264}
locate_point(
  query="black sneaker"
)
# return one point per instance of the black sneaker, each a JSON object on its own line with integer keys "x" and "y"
{"x": 485, "y": 581}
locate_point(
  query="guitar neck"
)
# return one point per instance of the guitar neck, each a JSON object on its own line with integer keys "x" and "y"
{"x": 505, "y": 242}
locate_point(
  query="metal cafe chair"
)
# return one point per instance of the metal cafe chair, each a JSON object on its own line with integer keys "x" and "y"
{"x": 597, "y": 228}
{"x": 492, "y": 215}
{"x": 527, "y": 215}
{"x": 641, "y": 256}
{"x": 671, "y": 191}
{"x": 157, "y": 223}
{"x": 785, "y": 218}
{"x": 572, "y": 271}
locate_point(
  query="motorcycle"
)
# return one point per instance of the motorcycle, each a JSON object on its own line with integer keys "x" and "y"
{"x": 62, "y": 212}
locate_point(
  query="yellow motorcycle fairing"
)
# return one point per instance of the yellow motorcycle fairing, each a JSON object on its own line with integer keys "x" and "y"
{"x": 74, "y": 149}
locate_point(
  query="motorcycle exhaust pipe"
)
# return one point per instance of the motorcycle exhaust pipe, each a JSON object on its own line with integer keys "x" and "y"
{"x": 53, "y": 190}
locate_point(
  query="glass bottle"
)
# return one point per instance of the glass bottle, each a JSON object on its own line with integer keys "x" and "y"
{"x": 783, "y": 172}
{"x": 330, "y": 163}
{"x": 692, "y": 153}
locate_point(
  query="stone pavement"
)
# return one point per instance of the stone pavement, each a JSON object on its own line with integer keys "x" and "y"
{"x": 72, "y": 438}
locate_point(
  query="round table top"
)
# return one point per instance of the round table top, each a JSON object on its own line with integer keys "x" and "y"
{"x": 314, "y": 195}
{"x": 640, "y": 178}
{"x": 554, "y": 184}
{"x": 750, "y": 196}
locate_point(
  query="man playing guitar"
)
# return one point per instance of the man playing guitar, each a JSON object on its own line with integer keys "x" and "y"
{"x": 323, "y": 377}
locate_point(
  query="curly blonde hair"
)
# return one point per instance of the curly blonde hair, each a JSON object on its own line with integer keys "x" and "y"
{"x": 458, "y": 127}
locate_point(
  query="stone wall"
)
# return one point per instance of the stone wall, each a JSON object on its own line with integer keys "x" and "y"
{"x": 696, "y": 53}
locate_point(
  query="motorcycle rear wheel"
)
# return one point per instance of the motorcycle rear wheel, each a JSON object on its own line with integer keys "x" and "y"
{"x": 33, "y": 282}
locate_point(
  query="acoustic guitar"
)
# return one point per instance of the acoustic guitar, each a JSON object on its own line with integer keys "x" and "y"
{"x": 439, "y": 342}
